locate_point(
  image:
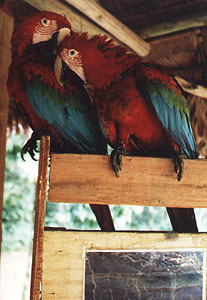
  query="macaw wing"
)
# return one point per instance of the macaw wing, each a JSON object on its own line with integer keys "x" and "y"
{"x": 70, "y": 115}
{"x": 172, "y": 110}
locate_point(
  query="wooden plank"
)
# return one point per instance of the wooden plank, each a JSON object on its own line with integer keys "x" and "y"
{"x": 172, "y": 26}
{"x": 6, "y": 28}
{"x": 112, "y": 25}
{"x": 41, "y": 192}
{"x": 64, "y": 252}
{"x": 143, "y": 181}
{"x": 79, "y": 23}
{"x": 166, "y": 27}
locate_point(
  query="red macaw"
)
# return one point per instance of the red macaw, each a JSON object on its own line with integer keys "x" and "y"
{"x": 139, "y": 104}
{"x": 64, "y": 113}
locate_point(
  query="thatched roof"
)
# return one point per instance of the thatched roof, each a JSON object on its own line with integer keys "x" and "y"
{"x": 175, "y": 29}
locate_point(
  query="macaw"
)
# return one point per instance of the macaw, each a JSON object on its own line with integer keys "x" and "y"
{"x": 139, "y": 104}
{"x": 65, "y": 113}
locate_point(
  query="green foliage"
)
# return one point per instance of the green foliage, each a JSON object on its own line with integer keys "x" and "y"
{"x": 70, "y": 216}
{"x": 18, "y": 199}
{"x": 141, "y": 218}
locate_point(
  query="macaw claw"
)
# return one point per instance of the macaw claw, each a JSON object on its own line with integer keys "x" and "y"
{"x": 31, "y": 146}
{"x": 57, "y": 145}
{"x": 178, "y": 165}
{"x": 116, "y": 158}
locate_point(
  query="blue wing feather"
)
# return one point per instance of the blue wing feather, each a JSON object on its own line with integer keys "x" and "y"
{"x": 175, "y": 118}
{"x": 76, "y": 123}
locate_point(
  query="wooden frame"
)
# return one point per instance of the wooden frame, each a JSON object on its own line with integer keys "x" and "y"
{"x": 67, "y": 184}
{"x": 64, "y": 253}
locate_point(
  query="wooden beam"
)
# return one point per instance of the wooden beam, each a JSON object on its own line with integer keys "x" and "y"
{"x": 172, "y": 26}
{"x": 6, "y": 28}
{"x": 40, "y": 207}
{"x": 143, "y": 181}
{"x": 112, "y": 25}
{"x": 78, "y": 21}
{"x": 100, "y": 16}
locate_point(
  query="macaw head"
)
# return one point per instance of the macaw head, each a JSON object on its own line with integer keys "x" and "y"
{"x": 97, "y": 60}
{"x": 38, "y": 27}
{"x": 94, "y": 60}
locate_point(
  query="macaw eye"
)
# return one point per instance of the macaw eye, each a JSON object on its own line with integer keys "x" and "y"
{"x": 72, "y": 52}
{"x": 44, "y": 21}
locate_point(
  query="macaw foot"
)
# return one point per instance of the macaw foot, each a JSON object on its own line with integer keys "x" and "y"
{"x": 116, "y": 158}
{"x": 31, "y": 146}
{"x": 178, "y": 165}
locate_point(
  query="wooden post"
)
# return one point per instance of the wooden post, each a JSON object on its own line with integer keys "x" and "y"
{"x": 41, "y": 192}
{"x": 6, "y": 28}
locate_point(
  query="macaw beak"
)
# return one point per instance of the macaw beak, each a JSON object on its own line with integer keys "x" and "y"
{"x": 58, "y": 70}
{"x": 61, "y": 70}
{"x": 62, "y": 33}
{"x": 58, "y": 66}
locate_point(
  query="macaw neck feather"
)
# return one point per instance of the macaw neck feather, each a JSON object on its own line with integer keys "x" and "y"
{"x": 117, "y": 58}
{"x": 32, "y": 67}
{"x": 103, "y": 61}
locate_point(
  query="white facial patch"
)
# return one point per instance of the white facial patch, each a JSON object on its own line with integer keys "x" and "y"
{"x": 44, "y": 31}
{"x": 73, "y": 60}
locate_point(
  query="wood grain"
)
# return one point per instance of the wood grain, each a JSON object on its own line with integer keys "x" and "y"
{"x": 104, "y": 21}
{"x": 112, "y": 25}
{"x": 64, "y": 251}
{"x": 143, "y": 181}
{"x": 79, "y": 22}
{"x": 41, "y": 191}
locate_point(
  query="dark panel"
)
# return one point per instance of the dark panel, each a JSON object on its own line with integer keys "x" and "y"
{"x": 154, "y": 275}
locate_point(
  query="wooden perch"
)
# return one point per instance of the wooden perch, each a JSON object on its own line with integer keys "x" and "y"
{"x": 117, "y": 29}
{"x": 143, "y": 181}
